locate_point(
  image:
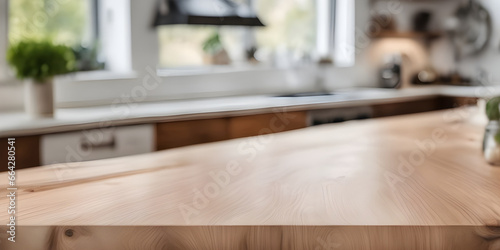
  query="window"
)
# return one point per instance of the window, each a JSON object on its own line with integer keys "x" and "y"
{"x": 182, "y": 45}
{"x": 290, "y": 34}
{"x": 72, "y": 23}
{"x": 296, "y": 32}
{"x": 290, "y": 31}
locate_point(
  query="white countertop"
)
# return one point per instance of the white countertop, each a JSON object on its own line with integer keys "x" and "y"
{"x": 20, "y": 124}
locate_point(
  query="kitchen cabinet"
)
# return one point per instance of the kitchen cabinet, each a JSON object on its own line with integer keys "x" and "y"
{"x": 96, "y": 144}
{"x": 424, "y": 105}
{"x": 26, "y": 149}
{"x": 184, "y": 133}
{"x": 462, "y": 101}
{"x": 253, "y": 125}
{"x": 409, "y": 107}
{"x": 178, "y": 134}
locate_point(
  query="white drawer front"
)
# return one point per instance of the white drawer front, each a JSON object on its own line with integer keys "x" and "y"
{"x": 97, "y": 144}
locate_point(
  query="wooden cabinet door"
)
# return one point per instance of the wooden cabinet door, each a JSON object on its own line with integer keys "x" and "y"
{"x": 408, "y": 107}
{"x": 27, "y": 152}
{"x": 461, "y": 101}
{"x": 185, "y": 133}
{"x": 253, "y": 125}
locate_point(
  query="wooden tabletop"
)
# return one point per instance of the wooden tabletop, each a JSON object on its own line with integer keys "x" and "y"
{"x": 416, "y": 171}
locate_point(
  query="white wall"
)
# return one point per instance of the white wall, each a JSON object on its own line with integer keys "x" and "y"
{"x": 490, "y": 59}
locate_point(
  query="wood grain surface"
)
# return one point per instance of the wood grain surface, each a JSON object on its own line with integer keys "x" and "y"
{"x": 408, "y": 182}
{"x": 253, "y": 237}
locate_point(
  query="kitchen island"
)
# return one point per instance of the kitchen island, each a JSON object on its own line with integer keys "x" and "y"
{"x": 408, "y": 182}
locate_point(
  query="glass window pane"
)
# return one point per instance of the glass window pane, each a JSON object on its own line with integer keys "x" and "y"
{"x": 182, "y": 45}
{"x": 185, "y": 45}
{"x": 290, "y": 27}
{"x": 290, "y": 34}
{"x": 64, "y": 22}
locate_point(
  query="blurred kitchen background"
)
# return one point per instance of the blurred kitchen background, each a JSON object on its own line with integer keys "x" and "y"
{"x": 148, "y": 61}
{"x": 347, "y": 43}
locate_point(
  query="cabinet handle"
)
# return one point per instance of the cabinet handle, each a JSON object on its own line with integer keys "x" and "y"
{"x": 110, "y": 143}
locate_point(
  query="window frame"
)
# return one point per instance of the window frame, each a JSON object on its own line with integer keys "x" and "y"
{"x": 338, "y": 47}
{"x": 7, "y": 76}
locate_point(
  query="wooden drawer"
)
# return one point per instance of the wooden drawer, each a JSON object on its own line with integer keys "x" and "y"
{"x": 185, "y": 133}
{"x": 463, "y": 101}
{"x": 97, "y": 144}
{"x": 409, "y": 107}
{"x": 253, "y": 125}
{"x": 27, "y": 152}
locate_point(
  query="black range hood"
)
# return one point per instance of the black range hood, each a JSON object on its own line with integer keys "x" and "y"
{"x": 204, "y": 12}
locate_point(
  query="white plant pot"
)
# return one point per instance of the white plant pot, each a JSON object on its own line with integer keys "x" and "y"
{"x": 39, "y": 98}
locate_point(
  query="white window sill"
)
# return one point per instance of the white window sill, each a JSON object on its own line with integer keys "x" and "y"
{"x": 99, "y": 75}
{"x": 6, "y": 81}
{"x": 83, "y": 76}
{"x": 222, "y": 69}
{"x": 103, "y": 75}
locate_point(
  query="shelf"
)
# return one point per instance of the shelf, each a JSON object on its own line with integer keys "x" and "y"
{"x": 408, "y": 34}
{"x": 415, "y": 1}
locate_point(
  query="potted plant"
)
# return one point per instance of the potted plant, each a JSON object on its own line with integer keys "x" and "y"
{"x": 491, "y": 142}
{"x": 215, "y": 49}
{"x": 38, "y": 62}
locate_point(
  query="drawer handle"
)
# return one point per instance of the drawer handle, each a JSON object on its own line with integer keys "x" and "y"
{"x": 110, "y": 143}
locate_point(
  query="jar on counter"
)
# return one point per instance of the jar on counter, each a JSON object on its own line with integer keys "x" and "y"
{"x": 491, "y": 143}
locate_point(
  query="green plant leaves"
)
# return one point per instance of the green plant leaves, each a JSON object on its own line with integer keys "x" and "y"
{"x": 497, "y": 138}
{"x": 40, "y": 60}
{"x": 492, "y": 109}
{"x": 213, "y": 44}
